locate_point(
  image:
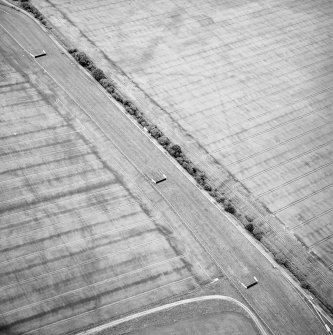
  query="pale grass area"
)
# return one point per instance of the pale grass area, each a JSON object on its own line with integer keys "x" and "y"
{"x": 251, "y": 81}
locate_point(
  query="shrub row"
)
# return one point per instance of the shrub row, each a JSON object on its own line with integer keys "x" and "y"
{"x": 33, "y": 10}
{"x": 173, "y": 149}
{"x": 254, "y": 230}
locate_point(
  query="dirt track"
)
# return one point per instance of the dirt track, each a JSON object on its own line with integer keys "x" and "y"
{"x": 273, "y": 299}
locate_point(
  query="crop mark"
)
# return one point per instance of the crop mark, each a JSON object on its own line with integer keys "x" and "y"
{"x": 321, "y": 241}
{"x": 35, "y": 131}
{"x": 115, "y": 278}
{"x": 65, "y": 178}
{"x": 278, "y": 145}
{"x": 288, "y": 160}
{"x": 36, "y": 147}
{"x": 85, "y": 300}
{"x": 294, "y": 179}
{"x": 310, "y": 220}
{"x": 301, "y": 199}
{"x": 39, "y": 138}
{"x": 60, "y": 201}
{"x": 150, "y": 242}
{"x": 265, "y": 131}
{"x": 48, "y": 197}
{"x": 117, "y": 240}
{"x": 79, "y": 240}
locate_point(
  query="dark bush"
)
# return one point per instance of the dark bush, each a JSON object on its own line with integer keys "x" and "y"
{"x": 199, "y": 180}
{"x": 155, "y": 132}
{"x": 304, "y": 284}
{"x": 91, "y": 67}
{"x": 39, "y": 16}
{"x": 180, "y": 160}
{"x": 213, "y": 193}
{"x": 184, "y": 164}
{"x": 201, "y": 175}
{"x": 249, "y": 227}
{"x": 220, "y": 199}
{"x": 258, "y": 233}
{"x": 163, "y": 140}
{"x": 98, "y": 74}
{"x": 150, "y": 128}
{"x": 106, "y": 83}
{"x": 141, "y": 118}
{"x": 228, "y": 207}
{"x": 117, "y": 96}
{"x": 138, "y": 116}
{"x": 189, "y": 168}
{"x": 110, "y": 90}
{"x": 249, "y": 218}
{"x": 129, "y": 110}
{"x": 72, "y": 50}
{"x": 29, "y": 8}
{"x": 207, "y": 187}
{"x": 82, "y": 58}
{"x": 185, "y": 159}
{"x": 280, "y": 259}
{"x": 137, "y": 113}
{"x": 174, "y": 150}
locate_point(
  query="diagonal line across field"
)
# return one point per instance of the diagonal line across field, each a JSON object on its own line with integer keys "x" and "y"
{"x": 282, "y": 143}
{"x": 303, "y": 198}
{"x": 80, "y": 186}
{"x": 110, "y": 279}
{"x": 60, "y": 200}
{"x": 73, "y": 242}
{"x": 297, "y": 226}
{"x": 39, "y": 138}
{"x": 221, "y": 148}
{"x": 324, "y": 145}
{"x": 294, "y": 179}
{"x": 111, "y": 201}
{"x": 72, "y": 267}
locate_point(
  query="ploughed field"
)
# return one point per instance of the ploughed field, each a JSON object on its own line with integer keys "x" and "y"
{"x": 77, "y": 246}
{"x": 250, "y": 81}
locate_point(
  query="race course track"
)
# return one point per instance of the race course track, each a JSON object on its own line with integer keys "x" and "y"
{"x": 274, "y": 300}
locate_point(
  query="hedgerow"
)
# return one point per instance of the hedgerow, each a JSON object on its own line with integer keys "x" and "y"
{"x": 33, "y": 10}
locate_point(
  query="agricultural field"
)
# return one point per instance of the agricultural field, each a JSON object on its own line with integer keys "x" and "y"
{"x": 249, "y": 81}
{"x": 87, "y": 237}
{"x": 78, "y": 243}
